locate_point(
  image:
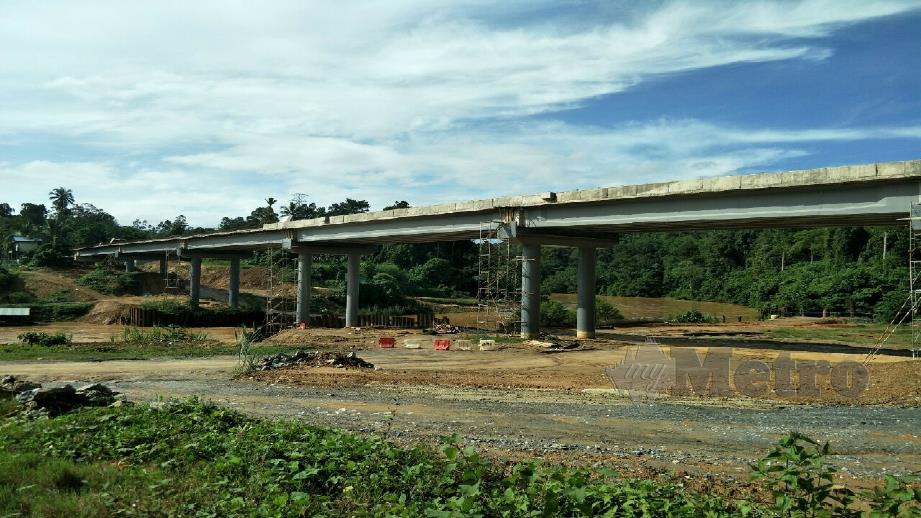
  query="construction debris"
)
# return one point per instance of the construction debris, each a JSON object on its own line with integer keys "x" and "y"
{"x": 58, "y": 400}
{"x": 11, "y": 385}
{"x": 446, "y": 329}
{"x": 313, "y": 359}
{"x": 554, "y": 344}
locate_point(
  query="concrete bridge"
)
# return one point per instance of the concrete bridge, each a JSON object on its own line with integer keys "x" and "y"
{"x": 870, "y": 194}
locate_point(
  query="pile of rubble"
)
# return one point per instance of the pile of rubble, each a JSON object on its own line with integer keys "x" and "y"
{"x": 313, "y": 359}
{"x": 446, "y": 329}
{"x": 53, "y": 401}
{"x": 552, "y": 343}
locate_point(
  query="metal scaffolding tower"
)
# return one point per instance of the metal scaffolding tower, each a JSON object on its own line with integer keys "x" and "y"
{"x": 499, "y": 277}
{"x": 280, "y": 303}
{"x": 172, "y": 283}
{"x": 914, "y": 270}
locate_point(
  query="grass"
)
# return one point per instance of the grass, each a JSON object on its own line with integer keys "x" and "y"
{"x": 860, "y": 334}
{"x": 130, "y": 351}
{"x": 186, "y": 457}
{"x": 193, "y": 458}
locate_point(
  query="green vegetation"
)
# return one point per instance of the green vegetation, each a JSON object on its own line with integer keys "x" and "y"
{"x": 192, "y": 458}
{"x": 161, "y": 335}
{"x": 556, "y": 314}
{"x": 59, "y": 312}
{"x": 107, "y": 280}
{"x": 44, "y": 339}
{"x": 802, "y": 484}
{"x": 129, "y": 351}
{"x": 694, "y": 316}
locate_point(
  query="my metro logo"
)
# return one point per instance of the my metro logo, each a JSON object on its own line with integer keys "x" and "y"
{"x": 647, "y": 372}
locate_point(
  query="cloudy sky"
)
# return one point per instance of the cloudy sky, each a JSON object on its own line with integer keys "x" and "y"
{"x": 155, "y": 109}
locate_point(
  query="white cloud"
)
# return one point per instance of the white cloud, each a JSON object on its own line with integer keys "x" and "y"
{"x": 204, "y": 108}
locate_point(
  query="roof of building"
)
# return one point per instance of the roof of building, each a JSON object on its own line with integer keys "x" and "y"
{"x": 25, "y": 239}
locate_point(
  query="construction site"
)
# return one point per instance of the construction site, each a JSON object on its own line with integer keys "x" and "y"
{"x": 645, "y": 393}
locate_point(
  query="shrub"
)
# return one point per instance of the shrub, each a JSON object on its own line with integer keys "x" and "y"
{"x": 694, "y": 316}
{"x": 555, "y": 314}
{"x": 111, "y": 282}
{"x": 56, "y": 312}
{"x": 157, "y": 334}
{"x": 605, "y": 312}
{"x": 19, "y": 297}
{"x": 44, "y": 339}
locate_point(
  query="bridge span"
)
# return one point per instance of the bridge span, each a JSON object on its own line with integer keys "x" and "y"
{"x": 867, "y": 194}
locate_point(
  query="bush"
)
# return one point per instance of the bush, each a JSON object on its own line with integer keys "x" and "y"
{"x": 19, "y": 297}
{"x": 57, "y": 312}
{"x": 45, "y": 339}
{"x": 8, "y": 280}
{"x": 111, "y": 282}
{"x": 694, "y": 316}
{"x": 156, "y": 334}
{"x": 555, "y": 314}
{"x": 605, "y": 312}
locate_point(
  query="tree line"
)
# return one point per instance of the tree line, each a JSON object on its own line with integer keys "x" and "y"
{"x": 855, "y": 271}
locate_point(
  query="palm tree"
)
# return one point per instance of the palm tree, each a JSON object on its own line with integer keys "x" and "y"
{"x": 61, "y": 198}
{"x": 291, "y": 209}
{"x": 271, "y": 201}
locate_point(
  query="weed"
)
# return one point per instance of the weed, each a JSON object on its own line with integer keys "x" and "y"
{"x": 166, "y": 334}
{"x": 248, "y": 359}
{"x": 693, "y": 316}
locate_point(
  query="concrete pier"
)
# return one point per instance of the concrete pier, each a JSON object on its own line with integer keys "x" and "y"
{"x": 351, "y": 296}
{"x": 304, "y": 264}
{"x": 585, "y": 311}
{"x": 164, "y": 267}
{"x": 233, "y": 285}
{"x": 195, "y": 281}
{"x": 530, "y": 291}
{"x": 129, "y": 265}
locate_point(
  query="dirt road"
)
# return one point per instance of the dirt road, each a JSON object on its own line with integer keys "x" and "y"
{"x": 579, "y": 425}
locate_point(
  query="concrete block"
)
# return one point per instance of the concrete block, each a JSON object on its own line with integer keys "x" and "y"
{"x": 412, "y": 344}
{"x": 488, "y": 345}
{"x": 463, "y": 345}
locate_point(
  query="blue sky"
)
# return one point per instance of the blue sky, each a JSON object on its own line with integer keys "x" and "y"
{"x": 205, "y": 109}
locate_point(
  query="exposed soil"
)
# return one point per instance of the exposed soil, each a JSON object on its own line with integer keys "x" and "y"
{"x": 45, "y": 285}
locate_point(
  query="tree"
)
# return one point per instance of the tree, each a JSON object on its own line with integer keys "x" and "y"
{"x": 177, "y": 227}
{"x": 349, "y": 206}
{"x": 270, "y": 201}
{"x": 61, "y": 199}
{"x": 398, "y": 205}
{"x": 33, "y": 214}
{"x": 5, "y": 210}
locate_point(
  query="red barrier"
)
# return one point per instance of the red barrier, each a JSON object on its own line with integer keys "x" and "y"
{"x": 386, "y": 342}
{"x": 441, "y": 344}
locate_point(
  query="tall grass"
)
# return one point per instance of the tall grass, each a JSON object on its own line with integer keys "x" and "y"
{"x": 157, "y": 334}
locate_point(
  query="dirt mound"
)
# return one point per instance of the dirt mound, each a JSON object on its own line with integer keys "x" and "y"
{"x": 46, "y": 284}
{"x": 255, "y": 278}
{"x": 107, "y": 312}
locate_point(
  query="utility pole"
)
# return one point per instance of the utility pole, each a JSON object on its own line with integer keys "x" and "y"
{"x": 885, "y": 239}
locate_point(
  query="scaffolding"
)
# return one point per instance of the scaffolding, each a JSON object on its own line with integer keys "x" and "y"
{"x": 914, "y": 270}
{"x": 280, "y": 302}
{"x": 172, "y": 283}
{"x": 911, "y": 308}
{"x": 499, "y": 278}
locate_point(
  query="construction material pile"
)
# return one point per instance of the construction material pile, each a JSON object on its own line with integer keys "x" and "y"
{"x": 39, "y": 400}
{"x": 314, "y": 359}
{"x": 552, "y": 343}
{"x": 446, "y": 329}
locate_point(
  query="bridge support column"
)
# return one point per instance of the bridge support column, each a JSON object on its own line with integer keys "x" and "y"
{"x": 195, "y": 281}
{"x": 351, "y": 295}
{"x": 129, "y": 265}
{"x": 233, "y": 284}
{"x": 304, "y": 264}
{"x": 164, "y": 267}
{"x": 585, "y": 311}
{"x": 530, "y": 291}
